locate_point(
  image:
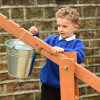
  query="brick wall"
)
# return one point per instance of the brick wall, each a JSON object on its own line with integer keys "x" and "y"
{"x": 40, "y": 13}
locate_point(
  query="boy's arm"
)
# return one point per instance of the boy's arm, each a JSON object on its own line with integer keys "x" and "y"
{"x": 79, "y": 46}
{"x": 34, "y": 31}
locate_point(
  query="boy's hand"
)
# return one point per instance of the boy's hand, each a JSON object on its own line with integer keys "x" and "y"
{"x": 56, "y": 50}
{"x": 33, "y": 30}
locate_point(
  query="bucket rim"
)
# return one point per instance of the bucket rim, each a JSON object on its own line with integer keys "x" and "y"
{"x": 17, "y": 49}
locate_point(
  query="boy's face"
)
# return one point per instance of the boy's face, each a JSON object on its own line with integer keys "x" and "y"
{"x": 66, "y": 28}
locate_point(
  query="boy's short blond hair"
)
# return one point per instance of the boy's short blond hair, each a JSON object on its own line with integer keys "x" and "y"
{"x": 68, "y": 13}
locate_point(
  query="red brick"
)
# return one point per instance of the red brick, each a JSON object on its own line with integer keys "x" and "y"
{"x": 3, "y": 67}
{"x": 5, "y": 76}
{"x": 91, "y": 90}
{"x": 82, "y": 91}
{"x": 6, "y": 98}
{"x": 32, "y": 85}
{"x": 38, "y": 95}
{"x": 13, "y": 87}
{"x": 1, "y": 88}
{"x": 92, "y": 98}
{"x": 24, "y": 97}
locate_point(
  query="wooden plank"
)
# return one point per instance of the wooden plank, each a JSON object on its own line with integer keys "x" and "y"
{"x": 87, "y": 77}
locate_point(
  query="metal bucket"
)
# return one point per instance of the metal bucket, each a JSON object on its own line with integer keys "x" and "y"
{"x": 20, "y": 58}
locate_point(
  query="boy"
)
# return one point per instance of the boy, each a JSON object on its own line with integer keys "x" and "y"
{"x": 67, "y": 22}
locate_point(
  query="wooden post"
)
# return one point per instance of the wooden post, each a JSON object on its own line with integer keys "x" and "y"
{"x": 67, "y": 82}
{"x": 73, "y": 55}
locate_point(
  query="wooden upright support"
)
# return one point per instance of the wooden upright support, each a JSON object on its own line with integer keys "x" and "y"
{"x": 68, "y": 81}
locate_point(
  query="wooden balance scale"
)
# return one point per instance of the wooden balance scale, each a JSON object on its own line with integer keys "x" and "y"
{"x": 70, "y": 70}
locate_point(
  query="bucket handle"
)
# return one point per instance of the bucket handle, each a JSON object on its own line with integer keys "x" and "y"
{"x": 22, "y": 35}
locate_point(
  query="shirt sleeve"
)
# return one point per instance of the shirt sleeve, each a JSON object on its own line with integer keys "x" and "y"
{"x": 37, "y": 35}
{"x": 47, "y": 40}
{"x": 79, "y": 49}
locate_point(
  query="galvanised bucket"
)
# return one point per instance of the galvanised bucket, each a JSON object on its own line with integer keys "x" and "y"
{"x": 20, "y": 58}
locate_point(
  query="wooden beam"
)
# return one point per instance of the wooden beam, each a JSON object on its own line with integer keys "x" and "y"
{"x": 87, "y": 77}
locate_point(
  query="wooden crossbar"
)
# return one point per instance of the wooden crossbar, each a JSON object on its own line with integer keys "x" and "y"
{"x": 80, "y": 72}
